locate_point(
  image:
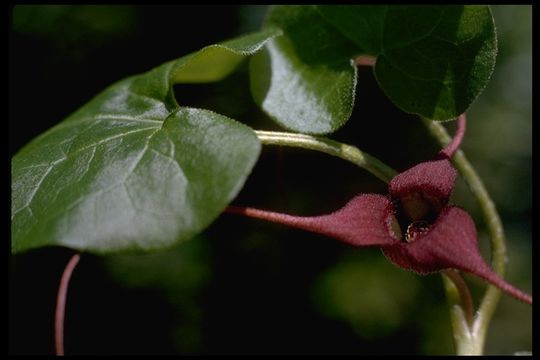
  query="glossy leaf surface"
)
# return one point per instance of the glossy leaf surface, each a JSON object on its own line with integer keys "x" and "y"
{"x": 131, "y": 170}
{"x": 304, "y": 79}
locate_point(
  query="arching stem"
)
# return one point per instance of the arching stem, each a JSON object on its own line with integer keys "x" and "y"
{"x": 61, "y": 305}
{"x": 453, "y": 146}
{"x": 331, "y": 147}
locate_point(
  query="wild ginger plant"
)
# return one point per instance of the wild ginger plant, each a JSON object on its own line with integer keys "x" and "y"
{"x": 134, "y": 170}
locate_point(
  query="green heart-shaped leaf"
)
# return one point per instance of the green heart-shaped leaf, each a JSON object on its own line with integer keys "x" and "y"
{"x": 131, "y": 170}
{"x": 304, "y": 79}
{"x": 433, "y": 61}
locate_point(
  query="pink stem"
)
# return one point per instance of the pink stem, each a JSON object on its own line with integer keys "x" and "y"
{"x": 464, "y": 293}
{"x": 365, "y": 60}
{"x": 61, "y": 305}
{"x": 451, "y": 148}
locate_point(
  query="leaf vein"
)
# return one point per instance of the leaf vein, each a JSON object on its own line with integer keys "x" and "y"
{"x": 141, "y": 155}
{"x": 34, "y": 190}
{"x": 121, "y": 135}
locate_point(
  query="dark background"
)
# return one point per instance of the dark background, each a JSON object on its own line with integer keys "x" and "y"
{"x": 246, "y": 287}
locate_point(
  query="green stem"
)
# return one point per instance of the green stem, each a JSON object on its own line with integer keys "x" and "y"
{"x": 496, "y": 232}
{"x": 331, "y": 147}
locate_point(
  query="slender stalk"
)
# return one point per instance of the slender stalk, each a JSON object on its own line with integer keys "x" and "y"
{"x": 61, "y": 305}
{"x": 454, "y": 144}
{"x": 331, "y": 147}
{"x": 464, "y": 297}
{"x": 495, "y": 228}
{"x": 463, "y": 338}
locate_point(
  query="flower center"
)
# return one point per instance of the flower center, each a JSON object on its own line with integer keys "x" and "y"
{"x": 415, "y": 229}
{"x": 414, "y": 214}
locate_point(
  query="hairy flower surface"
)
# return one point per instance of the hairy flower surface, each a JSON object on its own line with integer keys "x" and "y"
{"x": 414, "y": 225}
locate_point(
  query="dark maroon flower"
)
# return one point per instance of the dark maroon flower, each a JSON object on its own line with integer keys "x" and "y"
{"x": 413, "y": 225}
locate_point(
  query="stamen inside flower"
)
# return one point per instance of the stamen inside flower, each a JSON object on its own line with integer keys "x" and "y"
{"x": 415, "y": 229}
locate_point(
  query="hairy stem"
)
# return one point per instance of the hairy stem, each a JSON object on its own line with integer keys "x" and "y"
{"x": 454, "y": 144}
{"x": 331, "y": 147}
{"x": 495, "y": 228}
{"x": 61, "y": 305}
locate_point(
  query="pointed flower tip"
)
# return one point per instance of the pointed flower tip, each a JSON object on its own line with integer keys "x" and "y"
{"x": 357, "y": 223}
{"x": 451, "y": 242}
{"x": 492, "y": 277}
{"x": 432, "y": 180}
